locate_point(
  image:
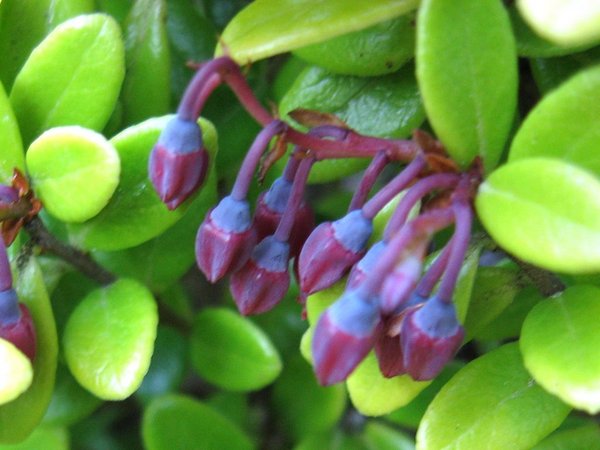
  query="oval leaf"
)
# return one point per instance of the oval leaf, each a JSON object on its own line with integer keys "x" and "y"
{"x": 48, "y": 438}
{"x": 374, "y": 395}
{"x": 20, "y": 417}
{"x": 109, "y": 339}
{"x": 64, "y": 162}
{"x": 135, "y": 213}
{"x": 16, "y": 372}
{"x": 377, "y": 50}
{"x": 269, "y": 27}
{"x": 470, "y": 87}
{"x": 560, "y": 341}
{"x": 544, "y": 211}
{"x": 585, "y": 437}
{"x": 491, "y": 403}
{"x": 564, "y": 124}
{"x": 176, "y": 422}
{"x": 388, "y": 106}
{"x": 230, "y": 351}
{"x": 564, "y": 22}
{"x": 147, "y": 60}
{"x": 72, "y": 78}
{"x": 10, "y": 141}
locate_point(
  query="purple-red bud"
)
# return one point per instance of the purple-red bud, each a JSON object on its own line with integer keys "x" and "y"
{"x": 388, "y": 350}
{"x": 16, "y": 324}
{"x": 398, "y": 285}
{"x": 178, "y": 162}
{"x": 269, "y": 211}
{"x": 343, "y": 337}
{"x": 264, "y": 280}
{"x": 332, "y": 249}
{"x": 225, "y": 239}
{"x": 430, "y": 336}
{"x": 362, "y": 268}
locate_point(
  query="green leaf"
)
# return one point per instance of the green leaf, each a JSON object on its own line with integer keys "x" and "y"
{"x": 332, "y": 440}
{"x": 491, "y": 403}
{"x": 470, "y": 87}
{"x": 493, "y": 290}
{"x": 231, "y": 352}
{"x": 581, "y": 438}
{"x": 564, "y": 124}
{"x": 147, "y": 62}
{"x": 374, "y": 395}
{"x": 20, "y": 417}
{"x": 16, "y": 372}
{"x": 70, "y": 402}
{"x": 60, "y": 11}
{"x": 465, "y": 284}
{"x": 48, "y": 438}
{"x": 382, "y": 437}
{"x": 563, "y": 22}
{"x": 388, "y": 106}
{"x": 544, "y": 211}
{"x": 10, "y": 141}
{"x": 109, "y": 339}
{"x": 560, "y": 340}
{"x": 269, "y": 27}
{"x": 168, "y": 364}
{"x": 64, "y": 162}
{"x": 176, "y": 422}
{"x": 72, "y": 78}
{"x": 378, "y": 50}
{"x": 304, "y": 407}
{"x": 135, "y": 213}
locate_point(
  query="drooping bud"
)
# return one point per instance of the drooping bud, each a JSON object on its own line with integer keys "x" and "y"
{"x": 264, "y": 280}
{"x": 225, "y": 239}
{"x": 269, "y": 211}
{"x": 362, "y": 268}
{"x": 178, "y": 162}
{"x": 430, "y": 337}
{"x": 399, "y": 284}
{"x": 16, "y": 324}
{"x": 388, "y": 350}
{"x": 332, "y": 249}
{"x": 343, "y": 337}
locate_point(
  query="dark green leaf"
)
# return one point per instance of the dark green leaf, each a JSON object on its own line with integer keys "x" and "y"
{"x": 10, "y": 141}
{"x": 580, "y": 438}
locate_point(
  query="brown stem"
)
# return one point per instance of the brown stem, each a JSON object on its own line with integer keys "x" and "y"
{"x": 86, "y": 265}
{"x": 546, "y": 282}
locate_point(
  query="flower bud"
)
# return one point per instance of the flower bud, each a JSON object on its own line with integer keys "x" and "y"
{"x": 388, "y": 350}
{"x": 343, "y": 337}
{"x": 178, "y": 162}
{"x": 430, "y": 336}
{"x": 331, "y": 249}
{"x": 264, "y": 280}
{"x": 399, "y": 284}
{"x": 269, "y": 211}
{"x": 366, "y": 264}
{"x": 225, "y": 239}
{"x": 16, "y": 324}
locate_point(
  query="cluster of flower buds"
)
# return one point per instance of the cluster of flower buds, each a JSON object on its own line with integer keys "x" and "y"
{"x": 16, "y": 324}
{"x": 390, "y": 306}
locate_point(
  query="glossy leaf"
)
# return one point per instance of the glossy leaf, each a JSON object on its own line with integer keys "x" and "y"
{"x": 64, "y": 162}
{"x": 563, "y": 124}
{"x": 304, "y": 407}
{"x": 269, "y": 27}
{"x": 70, "y": 402}
{"x": 147, "y": 62}
{"x": 109, "y": 339}
{"x": 10, "y": 141}
{"x": 544, "y": 211}
{"x": 176, "y": 422}
{"x": 374, "y": 395}
{"x": 579, "y": 438}
{"x": 60, "y": 11}
{"x": 48, "y": 438}
{"x": 493, "y": 404}
{"x": 560, "y": 340}
{"x": 21, "y": 416}
{"x": 388, "y": 106}
{"x": 382, "y": 437}
{"x": 493, "y": 290}
{"x": 563, "y": 22}
{"x": 83, "y": 58}
{"x": 16, "y": 372}
{"x": 469, "y": 88}
{"x": 377, "y": 50}
{"x": 465, "y": 285}
{"x": 168, "y": 364}
{"x": 135, "y": 213}
{"x": 231, "y": 352}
